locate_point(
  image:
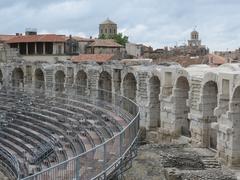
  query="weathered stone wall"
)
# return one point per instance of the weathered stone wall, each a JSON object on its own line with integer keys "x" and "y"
{"x": 199, "y": 102}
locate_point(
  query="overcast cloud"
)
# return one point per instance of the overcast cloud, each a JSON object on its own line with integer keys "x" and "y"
{"x": 153, "y": 22}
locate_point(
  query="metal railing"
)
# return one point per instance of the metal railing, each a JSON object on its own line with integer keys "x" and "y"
{"x": 104, "y": 159}
{"x": 10, "y": 163}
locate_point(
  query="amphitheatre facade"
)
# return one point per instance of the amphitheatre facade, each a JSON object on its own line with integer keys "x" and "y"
{"x": 199, "y": 102}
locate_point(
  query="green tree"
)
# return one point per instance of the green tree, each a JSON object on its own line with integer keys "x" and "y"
{"x": 102, "y": 36}
{"x": 120, "y": 39}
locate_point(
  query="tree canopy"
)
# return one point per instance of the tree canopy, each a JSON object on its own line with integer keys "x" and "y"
{"x": 118, "y": 38}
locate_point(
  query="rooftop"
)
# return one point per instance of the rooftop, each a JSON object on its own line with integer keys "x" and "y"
{"x": 4, "y": 38}
{"x": 105, "y": 43}
{"x": 37, "y": 38}
{"x": 93, "y": 57}
{"x": 108, "y": 21}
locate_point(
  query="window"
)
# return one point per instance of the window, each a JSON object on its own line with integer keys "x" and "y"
{"x": 110, "y": 30}
{"x": 105, "y": 30}
{"x": 101, "y": 30}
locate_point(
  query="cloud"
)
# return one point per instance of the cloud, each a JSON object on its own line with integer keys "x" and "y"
{"x": 153, "y": 22}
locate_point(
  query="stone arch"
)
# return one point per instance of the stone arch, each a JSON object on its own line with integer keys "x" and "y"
{"x": 39, "y": 79}
{"x": 18, "y": 77}
{"x": 129, "y": 91}
{"x": 154, "y": 102}
{"x": 181, "y": 108}
{"x": 105, "y": 86}
{"x": 81, "y": 82}
{"x": 130, "y": 86}
{"x": 234, "y": 115}
{"x": 209, "y": 103}
{"x": 59, "y": 81}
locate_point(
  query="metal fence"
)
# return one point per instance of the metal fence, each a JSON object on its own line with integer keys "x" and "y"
{"x": 104, "y": 159}
{"x": 9, "y": 163}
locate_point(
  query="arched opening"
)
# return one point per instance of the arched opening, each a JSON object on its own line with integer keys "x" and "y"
{"x": 181, "y": 108}
{"x": 235, "y": 117}
{"x": 154, "y": 103}
{"x": 209, "y": 103}
{"x": 17, "y": 77}
{"x": 129, "y": 91}
{"x": 39, "y": 79}
{"x": 59, "y": 81}
{"x": 81, "y": 83}
{"x": 105, "y": 86}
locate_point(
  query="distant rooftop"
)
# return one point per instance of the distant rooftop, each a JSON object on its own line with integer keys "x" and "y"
{"x": 105, "y": 43}
{"x": 93, "y": 57}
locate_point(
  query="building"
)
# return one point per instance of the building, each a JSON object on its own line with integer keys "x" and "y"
{"x": 34, "y": 44}
{"x": 134, "y": 50}
{"x": 107, "y": 29}
{"x": 194, "y": 49}
{"x": 199, "y": 102}
{"x": 194, "y": 39}
{"x": 106, "y": 46}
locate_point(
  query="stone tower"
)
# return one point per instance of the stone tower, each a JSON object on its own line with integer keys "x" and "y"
{"x": 194, "y": 41}
{"x": 107, "y": 28}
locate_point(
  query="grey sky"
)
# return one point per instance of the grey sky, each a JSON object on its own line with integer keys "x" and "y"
{"x": 153, "y": 22}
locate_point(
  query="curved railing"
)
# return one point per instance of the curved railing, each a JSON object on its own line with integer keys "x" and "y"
{"x": 104, "y": 159}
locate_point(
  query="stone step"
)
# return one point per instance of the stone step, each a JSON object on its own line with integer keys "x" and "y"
{"x": 210, "y": 162}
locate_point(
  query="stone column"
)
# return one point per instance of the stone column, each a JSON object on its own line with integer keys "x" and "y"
{"x": 44, "y": 48}
{"x": 35, "y": 48}
{"x": 93, "y": 77}
{"x": 26, "y": 48}
{"x": 142, "y": 97}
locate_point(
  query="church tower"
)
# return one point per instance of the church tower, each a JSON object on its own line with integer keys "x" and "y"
{"x": 194, "y": 39}
{"x": 107, "y": 28}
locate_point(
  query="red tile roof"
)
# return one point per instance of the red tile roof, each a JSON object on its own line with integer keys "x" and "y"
{"x": 216, "y": 59}
{"x": 37, "y": 38}
{"x": 80, "y": 39}
{"x": 4, "y": 38}
{"x": 93, "y": 57}
{"x": 105, "y": 43}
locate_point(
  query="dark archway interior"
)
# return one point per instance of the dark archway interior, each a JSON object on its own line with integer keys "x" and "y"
{"x": 210, "y": 91}
{"x": 59, "y": 81}
{"x": 154, "y": 103}
{"x": 17, "y": 77}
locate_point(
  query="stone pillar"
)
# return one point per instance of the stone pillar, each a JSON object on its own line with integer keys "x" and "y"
{"x": 116, "y": 81}
{"x": 35, "y": 48}
{"x": 93, "y": 77}
{"x": 49, "y": 80}
{"x": 44, "y": 48}
{"x": 26, "y": 48}
{"x": 142, "y": 97}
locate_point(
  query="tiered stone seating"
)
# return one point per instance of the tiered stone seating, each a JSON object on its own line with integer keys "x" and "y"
{"x": 44, "y": 131}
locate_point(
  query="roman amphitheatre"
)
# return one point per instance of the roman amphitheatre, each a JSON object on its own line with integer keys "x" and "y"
{"x": 82, "y": 121}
